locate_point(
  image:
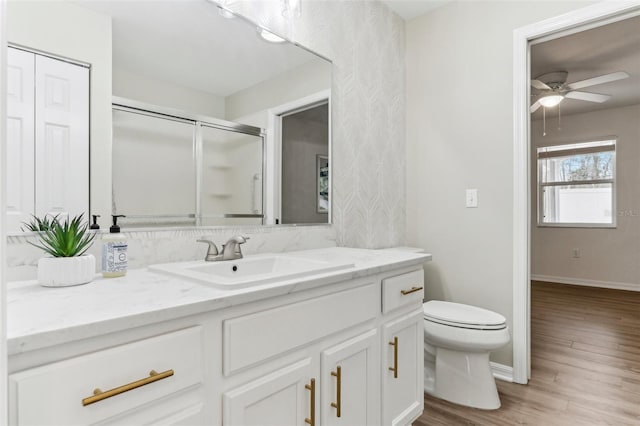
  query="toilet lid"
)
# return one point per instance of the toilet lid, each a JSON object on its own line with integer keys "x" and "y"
{"x": 465, "y": 316}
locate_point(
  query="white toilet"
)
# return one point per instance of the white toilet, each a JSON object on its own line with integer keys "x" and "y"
{"x": 458, "y": 340}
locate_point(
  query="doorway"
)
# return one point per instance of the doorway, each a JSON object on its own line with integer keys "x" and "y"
{"x": 305, "y": 166}
{"x": 580, "y": 20}
{"x": 299, "y": 150}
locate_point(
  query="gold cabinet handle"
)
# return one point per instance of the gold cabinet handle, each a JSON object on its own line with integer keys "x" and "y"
{"x": 312, "y": 387}
{"x": 99, "y": 395}
{"x": 338, "y": 404}
{"x": 411, "y": 290}
{"x": 395, "y": 357}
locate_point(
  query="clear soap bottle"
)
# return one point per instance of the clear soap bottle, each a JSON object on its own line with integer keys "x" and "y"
{"x": 114, "y": 251}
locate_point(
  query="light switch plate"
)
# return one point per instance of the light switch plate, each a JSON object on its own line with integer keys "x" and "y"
{"x": 472, "y": 198}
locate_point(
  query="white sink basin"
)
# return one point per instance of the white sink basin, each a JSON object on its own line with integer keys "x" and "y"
{"x": 249, "y": 271}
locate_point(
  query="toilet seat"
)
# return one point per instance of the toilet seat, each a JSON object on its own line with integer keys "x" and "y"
{"x": 462, "y": 316}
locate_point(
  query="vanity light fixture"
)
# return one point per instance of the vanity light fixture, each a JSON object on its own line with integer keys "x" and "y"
{"x": 551, "y": 100}
{"x": 269, "y": 36}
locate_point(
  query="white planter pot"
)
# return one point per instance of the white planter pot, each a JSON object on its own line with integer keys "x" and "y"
{"x": 66, "y": 271}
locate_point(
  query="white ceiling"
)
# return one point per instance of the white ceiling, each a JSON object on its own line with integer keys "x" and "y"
{"x": 409, "y": 9}
{"x": 602, "y": 50}
{"x": 188, "y": 43}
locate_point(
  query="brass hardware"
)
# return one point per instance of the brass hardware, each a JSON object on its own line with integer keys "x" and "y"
{"x": 395, "y": 357}
{"x": 99, "y": 395}
{"x": 338, "y": 404}
{"x": 412, "y": 290}
{"x": 312, "y": 387}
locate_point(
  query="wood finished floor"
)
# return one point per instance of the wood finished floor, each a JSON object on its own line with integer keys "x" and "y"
{"x": 585, "y": 364}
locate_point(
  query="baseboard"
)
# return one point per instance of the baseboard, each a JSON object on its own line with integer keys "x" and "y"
{"x": 502, "y": 372}
{"x": 587, "y": 283}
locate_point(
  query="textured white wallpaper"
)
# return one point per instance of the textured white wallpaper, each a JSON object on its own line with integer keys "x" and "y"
{"x": 365, "y": 41}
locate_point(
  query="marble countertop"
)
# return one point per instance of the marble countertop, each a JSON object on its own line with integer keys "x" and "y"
{"x": 39, "y": 317}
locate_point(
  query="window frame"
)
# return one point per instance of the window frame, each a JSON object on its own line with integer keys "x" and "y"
{"x": 613, "y": 181}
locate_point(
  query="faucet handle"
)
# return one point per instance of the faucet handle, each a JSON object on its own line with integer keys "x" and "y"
{"x": 212, "y": 250}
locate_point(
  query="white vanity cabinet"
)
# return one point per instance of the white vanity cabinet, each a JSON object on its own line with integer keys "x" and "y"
{"x": 403, "y": 379}
{"x": 338, "y": 387}
{"x": 347, "y": 373}
{"x": 336, "y": 340}
{"x": 282, "y": 397}
{"x": 338, "y": 353}
{"x": 403, "y": 348}
{"x": 157, "y": 378}
{"x": 350, "y": 391}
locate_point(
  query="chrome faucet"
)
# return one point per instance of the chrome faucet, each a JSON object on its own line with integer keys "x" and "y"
{"x": 212, "y": 251}
{"x": 230, "y": 250}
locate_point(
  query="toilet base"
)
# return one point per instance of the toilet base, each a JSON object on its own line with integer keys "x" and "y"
{"x": 464, "y": 378}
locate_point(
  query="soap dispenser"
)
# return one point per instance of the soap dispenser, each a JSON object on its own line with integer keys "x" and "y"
{"x": 114, "y": 251}
{"x": 95, "y": 225}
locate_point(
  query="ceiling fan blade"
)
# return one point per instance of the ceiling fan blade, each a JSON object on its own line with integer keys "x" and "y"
{"x": 533, "y": 108}
{"x": 606, "y": 78}
{"x": 585, "y": 96}
{"x": 539, "y": 85}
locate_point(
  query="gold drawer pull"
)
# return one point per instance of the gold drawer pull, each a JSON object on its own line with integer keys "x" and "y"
{"x": 395, "y": 357}
{"x": 98, "y": 395}
{"x": 412, "y": 290}
{"x": 312, "y": 388}
{"x": 338, "y": 404}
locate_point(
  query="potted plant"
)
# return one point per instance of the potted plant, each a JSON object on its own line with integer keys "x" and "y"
{"x": 66, "y": 242}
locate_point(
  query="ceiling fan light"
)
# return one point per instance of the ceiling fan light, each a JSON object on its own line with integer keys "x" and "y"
{"x": 550, "y": 100}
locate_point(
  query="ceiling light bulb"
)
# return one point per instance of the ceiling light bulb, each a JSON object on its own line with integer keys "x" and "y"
{"x": 269, "y": 36}
{"x": 550, "y": 100}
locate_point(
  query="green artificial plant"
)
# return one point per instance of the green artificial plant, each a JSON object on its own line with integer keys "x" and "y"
{"x": 62, "y": 239}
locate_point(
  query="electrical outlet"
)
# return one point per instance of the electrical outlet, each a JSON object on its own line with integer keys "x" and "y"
{"x": 472, "y": 198}
{"x": 576, "y": 253}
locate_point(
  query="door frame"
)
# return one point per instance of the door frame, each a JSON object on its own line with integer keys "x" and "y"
{"x": 273, "y": 207}
{"x": 4, "y": 396}
{"x": 571, "y": 22}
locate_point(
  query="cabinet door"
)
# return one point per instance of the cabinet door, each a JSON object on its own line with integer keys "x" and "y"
{"x": 350, "y": 382}
{"x": 402, "y": 364}
{"x": 282, "y": 398}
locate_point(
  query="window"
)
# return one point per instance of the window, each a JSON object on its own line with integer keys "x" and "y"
{"x": 576, "y": 184}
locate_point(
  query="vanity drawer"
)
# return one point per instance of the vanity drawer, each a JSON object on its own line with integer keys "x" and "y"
{"x": 402, "y": 290}
{"x": 253, "y": 338}
{"x": 57, "y": 393}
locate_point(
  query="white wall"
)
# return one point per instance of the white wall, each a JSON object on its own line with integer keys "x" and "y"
{"x": 607, "y": 256}
{"x": 74, "y": 32}
{"x": 310, "y": 78}
{"x": 130, "y": 85}
{"x": 460, "y": 135}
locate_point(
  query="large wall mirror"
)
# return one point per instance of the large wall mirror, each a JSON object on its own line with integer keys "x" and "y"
{"x": 169, "y": 112}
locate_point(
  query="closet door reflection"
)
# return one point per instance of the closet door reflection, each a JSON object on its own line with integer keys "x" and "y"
{"x": 154, "y": 170}
{"x": 231, "y": 185}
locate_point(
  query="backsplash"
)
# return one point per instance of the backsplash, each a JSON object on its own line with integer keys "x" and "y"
{"x": 174, "y": 245}
{"x": 365, "y": 41}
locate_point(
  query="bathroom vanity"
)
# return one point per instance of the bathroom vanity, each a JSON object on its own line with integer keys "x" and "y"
{"x": 338, "y": 347}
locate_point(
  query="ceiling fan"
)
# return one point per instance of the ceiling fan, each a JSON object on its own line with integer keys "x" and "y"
{"x": 554, "y": 88}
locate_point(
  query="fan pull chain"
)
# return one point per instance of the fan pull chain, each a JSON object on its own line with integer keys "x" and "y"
{"x": 544, "y": 121}
{"x": 559, "y": 119}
